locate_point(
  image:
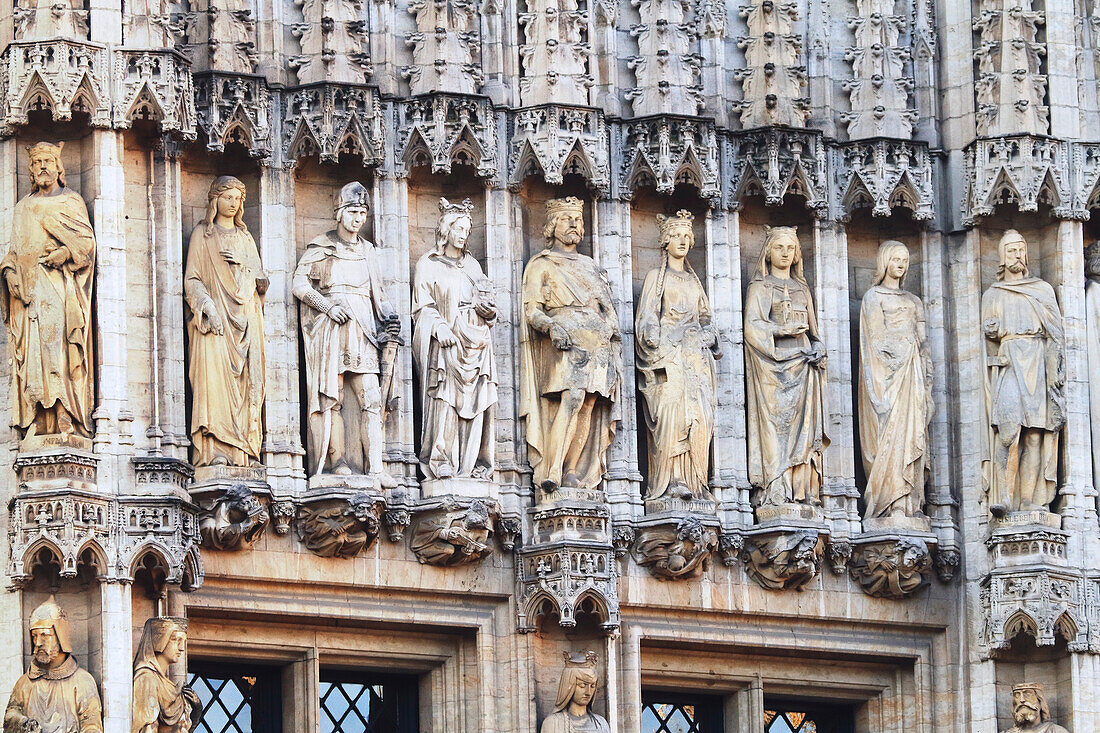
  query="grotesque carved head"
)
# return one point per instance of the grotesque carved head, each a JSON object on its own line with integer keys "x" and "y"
{"x": 1029, "y": 705}
{"x": 564, "y": 221}
{"x": 44, "y": 162}
{"x": 51, "y": 635}
{"x": 578, "y": 681}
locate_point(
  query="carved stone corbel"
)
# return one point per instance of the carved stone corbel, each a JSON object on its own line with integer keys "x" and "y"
{"x": 672, "y": 552}
{"x": 891, "y": 567}
{"x": 783, "y": 559}
{"x": 235, "y": 521}
{"x": 282, "y": 515}
{"x": 456, "y": 533}
{"x": 946, "y": 562}
{"x": 839, "y": 552}
{"x": 508, "y": 532}
{"x": 730, "y": 545}
{"x": 340, "y": 526}
{"x": 396, "y": 521}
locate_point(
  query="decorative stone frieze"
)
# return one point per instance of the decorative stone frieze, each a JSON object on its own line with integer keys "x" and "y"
{"x": 890, "y": 566}
{"x": 776, "y": 162}
{"x": 234, "y": 520}
{"x": 221, "y": 35}
{"x": 58, "y": 75}
{"x": 552, "y": 140}
{"x": 554, "y": 55}
{"x": 335, "y": 525}
{"x": 773, "y": 79}
{"x": 446, "y": 47}
{"x": 328, "y": 120}
{"x": 666, "y": 67}
{"x": 156, "y": 85}
{"x": 676, "y": 550}
{"x": 442, "y": 130}
{"x": 334, "y": 38}
{"x": 783, "y": 558}
{"x": 879, "y": 87}
{"x": 38, "y": 19}
{"x": 234, "y": 108}
{"x": 884, "y": 175}
{"x": 666, "y": 150}
{"x": 568, "y": 567}
{"x": 1010, "y": 88}
{"x": 1022, "y": 169}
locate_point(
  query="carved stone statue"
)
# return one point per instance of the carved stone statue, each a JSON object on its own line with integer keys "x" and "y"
{"x": 676, "y": 348}
{"x": 56, "y": 695}
{"x": 236, "y": 520}
{"x": 1030, "y": 711}
{"x": 1092, "y": 327}
{"x": 571, "y": 357}
{"x": 787, "y": 561}
{"x": 785, "y": 365}
{"x": 895, "y": 390}
{"x": 455, "y": 538}
{"x": 342, "y": 529}
{"x": 224, "y": 284}
{"x": 160, "y": 704}
{"x": 573, "y": 705}
{"x": 677, "y": 552}
{"x": 349, "y": 335}
{"x": 453, "y": 309}
{"x": 46, "y": 299}
{"x": 1025, "y": 356}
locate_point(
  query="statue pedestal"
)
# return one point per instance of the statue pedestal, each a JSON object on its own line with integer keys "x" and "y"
{"x": 1036, "y": 518}
{"x": 212, "y": 481}
{"x": 470, "y": 488}
{"x": 328, "y": 482}
{"x": 919, "y": 524}
{"x": 784, "y": 514}
{"x": 56, "y": 463}
{"x": 669, "y": 505}
{"x": 565, "y": 494}
{"x": 1028, "y": 545}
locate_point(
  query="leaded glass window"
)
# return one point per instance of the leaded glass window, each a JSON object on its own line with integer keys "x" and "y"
{"x": 236, "y": 699}
{"x": 368, "y": 704}
{"x": 807, "y": 718}
{"x": 662, "y": 713}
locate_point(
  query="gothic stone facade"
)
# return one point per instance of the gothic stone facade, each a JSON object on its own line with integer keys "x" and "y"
{"x": 937, "y": 124}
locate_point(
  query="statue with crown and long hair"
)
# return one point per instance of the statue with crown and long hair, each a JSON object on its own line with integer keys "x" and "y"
{"x": 785, "y": 367}
{"x": 1024, "y": 385}
{"x": 55, "y": 695}
{"x": 46, "y": 301}
{"x": 573, "y": 704}
{"x": 676, "y": 346}
{"x": 570, "y": 357}
{"x": 349, "y": 336}
{"x": 224, "y": 285}
{"x": 453, "y": 312}
{"x": 1030, "y": 711}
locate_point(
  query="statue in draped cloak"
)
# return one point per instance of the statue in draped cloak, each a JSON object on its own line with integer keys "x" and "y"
{"x": 160, "y": 704}
{"x": 46, "y": 301}
{"x": 895, "y": 390}
{"x": 785, "y": 368}
{"x": 1025, "y": 384}
{"x": 570, "y": 357}
{"x": 676, "y": 347}
{"x": 224, "y": 284}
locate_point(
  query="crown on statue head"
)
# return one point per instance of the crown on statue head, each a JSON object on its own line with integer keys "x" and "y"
{"x": 1028, "y": 686}
{"x": 567, "y": 205}
{"x": 464, "y": 207}
{"x": 583, "y": 660}
{"x": 681, "y": 218}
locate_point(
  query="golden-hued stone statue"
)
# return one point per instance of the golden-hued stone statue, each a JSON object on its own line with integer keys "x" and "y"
{"x": 1030, "y": 711}
{"x": 160, "y": 704}
{"x": 573, "y": 705}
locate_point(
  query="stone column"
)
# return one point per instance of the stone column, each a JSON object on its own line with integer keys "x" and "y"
{"x": 117, "y": 655}
{"x": 390, "y": 198}
{"x": 1083, "y": 706}
{"x": 104, "y": 192}
{"x": 282, "y": 446}
{"x": 1062, "y": 67}
{"x": 611, "y": 249}
{"x": 839, "y": 492}
{"x": 729, "y": 475}
{"x": 105, "y": 21}
{"x": 383, "y": 32}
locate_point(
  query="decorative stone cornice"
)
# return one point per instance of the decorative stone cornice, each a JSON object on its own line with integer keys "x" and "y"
{"x": 775, "y": 162}
{"x": 58, "y": 75}
{"x": 154, "y": 84}
{"x": 883, "y": 174}
{"x": 234, "y": 108}
{"x": 441, "y": 130}
{"x": 329, "y": 119}
{"x": 552, "y": 139}
{"x": 665, "y": 150}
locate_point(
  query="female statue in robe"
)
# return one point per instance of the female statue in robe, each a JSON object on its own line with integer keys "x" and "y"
{"x": 785, "y": 369}
{"x": 161, "y": 705}
{"x": 676, "y": 349}
{"x": 895, "y": 390}
{"x": 573, "y": 705}
{"x": 224, "y": 285}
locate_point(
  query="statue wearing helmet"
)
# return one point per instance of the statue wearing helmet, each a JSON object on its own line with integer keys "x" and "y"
{"x": 56, "y": 695}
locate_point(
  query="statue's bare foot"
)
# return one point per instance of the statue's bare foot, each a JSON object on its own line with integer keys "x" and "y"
{"x": 342, "y": 469}
{"x": 444, "y": 471}
{"x": 571, "y": 480}
{"x": 386, "y": 481}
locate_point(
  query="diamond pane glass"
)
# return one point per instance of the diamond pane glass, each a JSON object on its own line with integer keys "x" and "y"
{"x": 679, "y": 714}
{"x": 227, "y": 702}
{"x": 808, "y": 718}
{"x": 351, "y": 704}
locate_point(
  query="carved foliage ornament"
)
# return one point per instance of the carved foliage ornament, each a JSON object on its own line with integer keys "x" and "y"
{"x": 445, "y": 46}
{"x": 334, "y": 38}
{"x": 773, "y": 79}
{"x": 879, "y": 86}
{"x": 666, "y": 68}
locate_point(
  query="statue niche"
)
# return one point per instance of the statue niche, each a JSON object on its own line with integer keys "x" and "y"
{"x": 349, "y": 336}
{"x": 785, "y": 366}
{"x": 46, "y": 301}
{"x": 453, "y": 311}
{"x": 571, "y": 359}
{"x": 676, "y": 347}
